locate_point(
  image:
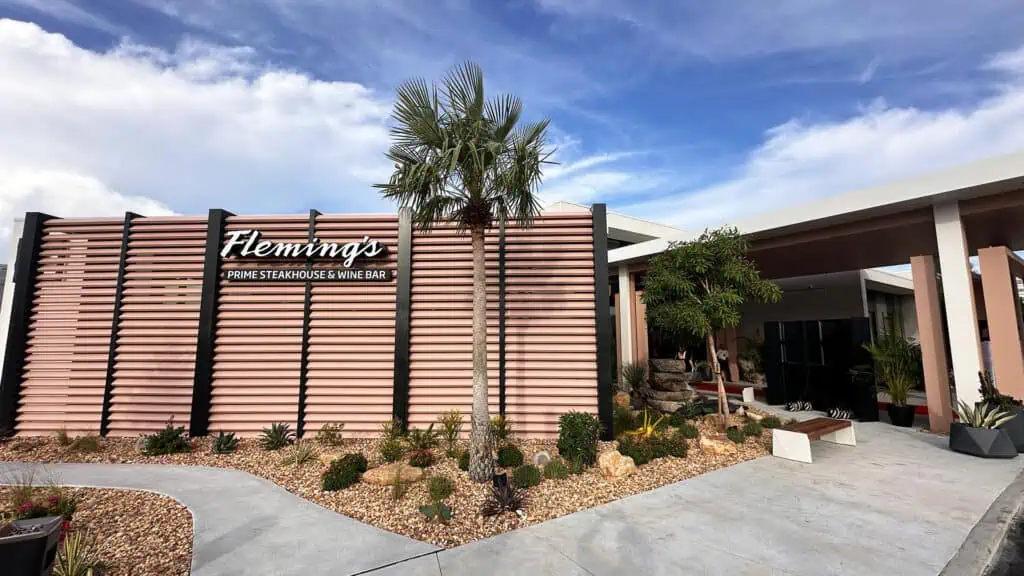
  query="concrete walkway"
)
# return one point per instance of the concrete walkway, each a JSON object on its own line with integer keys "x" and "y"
{"x": 898, "y": 503}
{"x": 247, "y": 525}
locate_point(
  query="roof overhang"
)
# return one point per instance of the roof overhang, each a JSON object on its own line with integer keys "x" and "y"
{"x": 621, "y": 226}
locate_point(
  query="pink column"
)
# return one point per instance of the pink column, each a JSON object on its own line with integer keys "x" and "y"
{"x": 932, "y": 338}
{"x": 1003, "y": 313}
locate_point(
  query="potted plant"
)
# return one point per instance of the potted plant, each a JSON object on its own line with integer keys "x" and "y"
{"x": 29, "y": 546}
{"x": 898, "y": 371}
{"x": 1014, "y": 427}
{"x": 978, "y": 434}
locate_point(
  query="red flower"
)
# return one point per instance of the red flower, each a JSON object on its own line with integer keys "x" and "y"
{"x": 65, "y": 527}
{"x": 25, "y": 507}
{"x": 53, "y": 500}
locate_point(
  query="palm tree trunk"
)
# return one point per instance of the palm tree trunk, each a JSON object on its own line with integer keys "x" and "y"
{"x": 481, "y": 463}
{"x": 716, "y": 369}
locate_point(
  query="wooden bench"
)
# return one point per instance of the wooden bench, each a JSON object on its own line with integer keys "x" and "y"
{"x": 793, "y": 442}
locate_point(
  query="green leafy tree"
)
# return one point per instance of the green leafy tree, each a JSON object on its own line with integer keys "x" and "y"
{"x": 461, "y": 158}
{"x": 695, "y": 288}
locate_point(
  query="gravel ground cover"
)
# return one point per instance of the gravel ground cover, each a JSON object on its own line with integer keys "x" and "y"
{"x": 137, "y": 533}
{"x": 374, "y": 504}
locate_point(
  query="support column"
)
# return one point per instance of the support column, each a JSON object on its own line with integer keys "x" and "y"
{"x": 625, "y": 317}
{"x": 958, "y": 296}
{"x": 602, "y": 319}
{"x": 932, "y": 337}
{"x": 1003, "y": 312}
{"x": 733, "y": 349}
{"x": 400, "y": 376}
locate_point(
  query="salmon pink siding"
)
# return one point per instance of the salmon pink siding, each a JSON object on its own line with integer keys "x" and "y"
{"x": 260, "y": 341}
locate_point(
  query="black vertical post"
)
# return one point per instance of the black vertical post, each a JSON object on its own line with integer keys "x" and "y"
{"x": 108, "y": 385}
{"x": 25, "y": 267}
{"x": 603, "y": 319}
{"x": 501, "y": 318}
{"x": 200, "y": 420}
{"x": 400, "y": 392}
{"x": 300, "y": 425}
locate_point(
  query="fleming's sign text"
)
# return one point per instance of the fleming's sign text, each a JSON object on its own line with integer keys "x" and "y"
{"x": 310, "y": 275}
{"x": 247, "y": 244}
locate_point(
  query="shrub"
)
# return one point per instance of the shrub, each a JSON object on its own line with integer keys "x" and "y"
{"x": 341, "y": 474}
{"x": 330, "y": 434}
{"x": 770, "y": 422}
{"x": 392, "y": 429}
{"x": 62, "y": 503}
{"x": 673, "y": 445}
{"x": 62, "y": 437}
{"x": 170, "y": 440}
{"x": 277, "y": 436}
{"x": 736, "y": 435}
{"x": 634, "y": 374}
{"x": 392, "y": 450}
{"x": 623, "y": 420}
{"x": 451, "y": 424}
{"x": 356, "y": 460}
{"x": 419, "y": 439}
{"x": 577, "y": 466}
{"x": 639, "y": 450}
{"x": 677, "y": 419}
{"x": 556, "y": 470}
{"x": 691, "y": 410}
{"x": 398, "y": 488}
{"x": 440, "y": 487}
{"x": 225, "y": 443}
{"x": 89, "y": 444}
{"x": 752, "y": 428}
{"x": 501, "y": 429}
{"x": 76, "y": 555}
{"x": 421, "y": 458}
{"x": 301, "y": 454}
{"x": 526, "y": 476}
{"x": 578, "y": 433}
{"x": 688, "y": 430}
{"x": 464, "y": 461}
{"x": 507, "y": 498}
{"x": 509, "y": 456}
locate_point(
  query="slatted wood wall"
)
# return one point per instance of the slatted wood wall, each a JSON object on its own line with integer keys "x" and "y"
{"x": 69, "y": 333}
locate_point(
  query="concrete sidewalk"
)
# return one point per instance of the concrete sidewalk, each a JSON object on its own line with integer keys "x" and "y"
{"x": 247, "y": 525}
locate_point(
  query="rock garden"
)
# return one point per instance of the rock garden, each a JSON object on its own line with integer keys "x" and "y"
{"x": 414, "y": 482}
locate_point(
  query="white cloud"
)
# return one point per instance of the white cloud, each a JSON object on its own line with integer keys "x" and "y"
{"x": 204, "y": 126}
{"x": 800, "y": 161}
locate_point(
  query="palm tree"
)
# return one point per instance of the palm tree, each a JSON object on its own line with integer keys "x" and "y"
{"x": 464, "y": 159}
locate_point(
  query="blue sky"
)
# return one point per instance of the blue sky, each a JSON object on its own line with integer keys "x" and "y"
{"x": 691, "y": 113}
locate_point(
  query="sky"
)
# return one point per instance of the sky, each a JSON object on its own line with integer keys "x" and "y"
{"x": 686, "y": 112}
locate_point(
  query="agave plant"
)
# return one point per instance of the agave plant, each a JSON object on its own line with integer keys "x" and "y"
{"x": 634, "y": 374}
{"x": 648, "y": 427}
{"x": 504, "y": 498}
{"x": 76, "y": 555}
{"x": 277, "y": 436}
{"x": 982, "y": 415}
{"x": 420, "y": 439}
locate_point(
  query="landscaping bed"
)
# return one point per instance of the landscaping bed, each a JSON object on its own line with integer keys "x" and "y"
{"x": 375, "y": 505}
{"x": 135, "y": 533}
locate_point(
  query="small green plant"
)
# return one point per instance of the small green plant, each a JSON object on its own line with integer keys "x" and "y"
{"x": 330, "y": 434}
{"x": 20, "y": 487}
{"x": 993, "y": 397}
{"x": 634, "y": 374}
{"x": 62, "y": 437}
{"x": 392, "y": 450}
{"x": 687, "y": 430}
{"x": 76, "y": 555}
{"x": 578, "y": 433}
{"x": 506, "y": 498}
{"x": 752, "y": 428}
{"x": 692, "y": 410}
{"x": 639, "y": 450}
{"x": 421, "y": 458}
{"x": 277, "y": 436}
{"x": 771, "y": 422}
{"x": 501, "y": 429}
{"x": 62, "y": 503}
{"x": 736, "y": 435}
{"x": 420, "y": 439}
{"x": 451, "y": 424}
{"x": 556, "y": 470}
{"x": 341, "y": 474}
{"x": 356, "y": 460}
{"x": 440, "y": 487}
{"x": 464, "y": 461}
{"x": 300, "y": 455}
{"x": 392, "y": 429}
{"x": 672, "y": 444}
{"x": 509, "y": 456}
{"x": 648, "y": 426}
{"x": 982, "y": 415}
{"x": 526, "y": 476}
{"x": 676, "y": 419}
{"x": 170, "y": 440}
{"x": 225, "y": 443}
{"x": 398, "y": 488}
{"x": 623, "y": 420}
{"x": 437, "y": 511}
{"x": 87, "y": 443}
{"x": 577, "y": 466}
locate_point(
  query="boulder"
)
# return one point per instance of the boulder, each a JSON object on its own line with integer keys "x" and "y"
{"x": 671, "y": 382}
{"x": 614, "y": 465}
{"x": 140, "y": 445}
{"x": 680, "y": 396}
{"x": 385, "y": 475}
{"x": 717, "y": 445}
{"x": 668, "y": 365}
{"x": 753, "y": 416}
{"x": 622, "y": 399}
{"x": 662, "y": 405}
{"x": 327, "y": 457}
{"x": 541, "y": 458}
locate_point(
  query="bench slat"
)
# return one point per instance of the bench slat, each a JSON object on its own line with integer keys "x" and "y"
{"x": 815, "y": 428}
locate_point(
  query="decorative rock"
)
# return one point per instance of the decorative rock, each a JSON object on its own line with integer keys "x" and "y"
{"x": 328, "y": 457}
{"x": 668, "y": 365}
{"x": 622, "y": 399}
{"x": 385, "y": 475}
{"x": 140, "y": 445}
{"x": 720, "y": 446}
{"x": 661, "y": 405}
{"x": 740, "y": 411}
{"x": 671, "y": 382}
{"x": 681, "y": 396}
{"x": 754, "y": 416}
{"x": 614, "y": 465}
{"x": 541, "y": 458}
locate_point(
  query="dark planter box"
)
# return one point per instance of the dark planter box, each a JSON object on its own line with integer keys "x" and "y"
{"x": 901, "y": 415}
{"x": 31, "y": 554}
{"x": 981, "y": 442}
{"x": 865, "y": 398}
{"x": 1015, "y": 429}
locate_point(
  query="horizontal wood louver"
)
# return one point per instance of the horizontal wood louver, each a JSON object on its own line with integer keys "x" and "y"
{"x": 350, "y": 358}
{"x": 159, "y": 321}
{"x": 258, "y": 340}
{"x": 69, "y": 331}
{"x": 551, "y": 359}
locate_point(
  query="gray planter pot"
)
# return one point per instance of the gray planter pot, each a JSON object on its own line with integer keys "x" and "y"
{"x": 1015, "y": 430}
{"x": 31, "y": 554}
{"x": 981, "y": 442}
